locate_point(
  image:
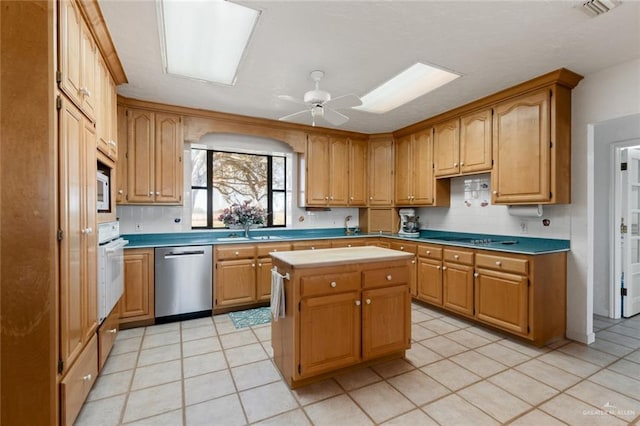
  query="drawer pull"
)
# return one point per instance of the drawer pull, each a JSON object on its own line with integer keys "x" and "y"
{"x": 260, "y": 265}
{"x": 389, "y": 277}
{"x": 237, "y": 253}
{"x": 401, "y": 247}
{"x": 368, "y": 301}
{"x": 428, "y": 252}
{"x": 476, "y": 274}
{"x": 413, "y": 262}
{"x": 456, "y": 257}
{"x": 357, "y": 303}
{"x": 498, "y": 263}
{"x": 253, "y": 265}
{"x": 438, "y": 267}
{"x": 313, "y": 248}
{"x": 87, "y": 378}
{"x": 333, "y": 284}
{"x": 444, "y": 268}
{"x": 113, "y": 331}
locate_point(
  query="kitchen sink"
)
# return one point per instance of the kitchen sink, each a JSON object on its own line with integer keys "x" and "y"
{"x": 224, "y": 239}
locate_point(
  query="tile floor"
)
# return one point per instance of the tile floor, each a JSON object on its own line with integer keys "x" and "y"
{"x": 205, "y": 372}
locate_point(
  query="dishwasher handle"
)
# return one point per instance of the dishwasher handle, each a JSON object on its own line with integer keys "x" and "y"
{"x": 179, "y": 254}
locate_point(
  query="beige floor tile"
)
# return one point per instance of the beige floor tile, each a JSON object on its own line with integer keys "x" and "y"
{"x": 159, "y": 354}
{"x": 263, "y": 333}
{"x": 122, "y": 346}
{"x": 548, "y": 374}
{"x": 153, "y": 401}
{"x": 200, "y": 346}
{"x": 208, "y": 386}
{"x": 267, "y": 401}
{"x": 172, "y": 418}
{"x": 610, "y": 348}
{"x": 357, "y": 378}
{"x": 122, "y": 362}
{"x": 455, "y": 411}
{"x": 450, "y": 374}
{"x": 491, "y": 335}
{"x": 620, "y": 339}
{"x": 607, "y": 400}
{"x": 494, "y": 401}
{"x": 444, "y": 346}
{"x": 255, "y": 374}
{"x": 418, "y": 387}
{"x": 162, "y": 328}
{"x": 198, "y": 333}
{"x": 105, "y": 412}
{"x": 226, "y": 411}
{"x": 625, "y": 330}
{"x": 337, "y": 411}
{"x": 558, "y": 343}
{"x": 524, "y": 348}
{"x": 290, "y": 418}
{"x": 317, "y": 392}
{"x": 245, "y": 354}
{"x": 502, "y": 354}
{"x": 468, "y": 339}
{"x": 627, "y": 368}
{"x": 381, "y": 401}
{"x": 392, "y": 368}
{"x": 156, "y": 374}
{"x": 634, "y": 356}
{"x": 439, "y": 326}
{"x": 523, "y": 386}
{"x": 199, "y": 322}
{"x": 110, "y": 385}
{"x": 268, "y": 348}
{"x": 536, "y": 418}
{"x": 588, "y": 353}
{"x": 205, "y": 363}
{"x": 419, "y": 316}
{"x": 569, "y": 363}
{"x": 238, "y": 339}
{"x": 478, "y": 363}
{"x": 415, "y": 417}
{"x": 419, "y": 356}
{"x": 129, "y": 333}
{"x": 619, "y": 382}
{"x": 419, "y": 333}
{"x": 224, "y": 327}
{"x": 458, "y": 322}
{"x": 160, "y": 339}
{"x": 575, "y": 412}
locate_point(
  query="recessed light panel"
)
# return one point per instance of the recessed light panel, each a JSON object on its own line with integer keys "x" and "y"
{"x": 205, "y": 40}
{"x": 410, "y": 84}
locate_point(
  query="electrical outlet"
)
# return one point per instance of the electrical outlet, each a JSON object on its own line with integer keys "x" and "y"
{"x": 524, "y": 227}
{"x": 138, "y": 227}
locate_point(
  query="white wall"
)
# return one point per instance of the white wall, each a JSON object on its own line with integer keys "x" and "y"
{"x": 610, "y": 93}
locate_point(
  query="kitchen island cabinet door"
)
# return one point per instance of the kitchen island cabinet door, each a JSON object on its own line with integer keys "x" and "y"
{"x": 329, "y": 332}
{"x": 386, "y": 321}
{"x": 137, "y": 302}
{"x": 502, "y": 299}
{"x": 235, "y": 282}
{"x": 458, "y": 288}
{"x": 430, "y": 281}
{"x": 263, "y": 286}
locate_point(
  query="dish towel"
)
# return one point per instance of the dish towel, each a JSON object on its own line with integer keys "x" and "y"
{"x": 277, "y": 295}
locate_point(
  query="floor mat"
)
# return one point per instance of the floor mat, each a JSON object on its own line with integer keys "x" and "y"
{"x": 251, "y": 317}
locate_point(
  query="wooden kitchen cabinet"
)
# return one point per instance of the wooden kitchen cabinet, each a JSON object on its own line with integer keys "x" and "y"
{"x": 349, "y": 242}
{"x": 457, "y": 281}
{"x": 386, "y": 320}
{"x": 137, "y": 305}
{"x": 532, "y": 148}
{"x": 475, "y": 142}
{"x": 77, "y": 383}
{"x": 380, "y": 176}
{"x": 502, "y": 299}
{"x": 122, "y": 163}
{"x": 409, "y": 248}
{"x": 106, "y": 125}
{"x": 78, "y": 232}
{"x": 235, "y": 282}
{"x": 358, "y": 166}
{"x": 446, "y": 148}
{"x": 311, "y": 245}
{"x": 429, "y": 288}
{"x": 154, "y": 157}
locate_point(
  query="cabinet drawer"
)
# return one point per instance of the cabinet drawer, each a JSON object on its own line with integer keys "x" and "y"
{"x": 459, "y": 256}
{"x": 239, "y": 251}
{"x": 264, "y": 249}
{"x": 502, "y": 263}
{"x": 107, "y": 335}
{"x": 312, "y": 245}
{"x": 409, "y": 248}
{"x": 385, "y": 277}
{"x": 76, "y": 385}
{"x": 430, "y": 252}
{"x": 349, "y": 242}
{"x": 327, "y": 284}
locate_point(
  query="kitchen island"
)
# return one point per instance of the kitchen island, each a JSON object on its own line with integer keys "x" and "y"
{"x": 343, "y": 307}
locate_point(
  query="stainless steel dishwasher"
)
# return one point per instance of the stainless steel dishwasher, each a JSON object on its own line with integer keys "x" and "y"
{"x": 183, "y": 284}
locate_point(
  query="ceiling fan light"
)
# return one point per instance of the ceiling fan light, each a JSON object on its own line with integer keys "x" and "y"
{"x": 417, "y": 80}
{"x": 204, "y": 40}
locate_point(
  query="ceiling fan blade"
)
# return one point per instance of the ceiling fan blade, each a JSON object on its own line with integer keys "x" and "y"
{"x": 291, "y": 99}
{"x": 344, "y": 101}
{"x": 334, "y": 117}
{"x": 295, "y": 115}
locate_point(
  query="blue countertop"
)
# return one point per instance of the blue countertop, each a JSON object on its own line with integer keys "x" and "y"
{"x": 500, "y": 243}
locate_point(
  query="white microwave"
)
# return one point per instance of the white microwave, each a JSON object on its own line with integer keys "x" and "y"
{"x": 102, "y": 193}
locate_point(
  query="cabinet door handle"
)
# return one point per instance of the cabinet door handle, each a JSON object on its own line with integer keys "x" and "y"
{"x": 237, "y": 253}
{"x": 368, "y": 301}
{"x": 438, "y": 267}
{"x": 389, "y": 277}
{"x": 444, "y": 268}
{"x": 253, "y": 265}
{"x": 371, "y": 198}
{"x": 495, "y": 192}
{"x": 260, "y": 265}
{"x": 85, "y": 92}
{"x": 157, "y": 193}
{"x": 87, "y": 378}
{"x": 313, "y": 248}
{"x": 428, "y": 252}
{"x": 402, "y": 248}
{"x": 151, "y": 194}
{"x": 120, "y": 191}
{"x": 476, "y": 274}
{"x": 326, "y": 198}
{"x": 455, "y": 164}
{"x": 112, "y": 143}
{"x": 413, "y": 262}
{"x": 462, "y": 163}
{"x": 113, "y": 331}
{"x": 351, "y": 198}
{"x": 456, "y": 257}
{"x": 331, "y": 198}
{"x": 333, "y": 284}
{"x": 357, "y": 303}
{"x": 498, "y": 263}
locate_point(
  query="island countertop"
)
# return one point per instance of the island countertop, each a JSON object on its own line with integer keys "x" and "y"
{"x": 339, "y": 256}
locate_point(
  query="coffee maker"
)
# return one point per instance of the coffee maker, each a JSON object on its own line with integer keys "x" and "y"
{"x": 409, "y": 226}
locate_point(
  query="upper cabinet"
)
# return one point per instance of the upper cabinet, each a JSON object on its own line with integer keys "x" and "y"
{"x": 531, "y": 146}
{"x": 446, "y": 148}
{"x": 335, "y": 171}
{"x": 475, "y": 142}
{"x": 106, "y": 123}
{"x": 381, "y": 181}
{"x": 154, "y": 157}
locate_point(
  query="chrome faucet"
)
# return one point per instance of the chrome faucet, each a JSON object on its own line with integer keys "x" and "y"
{"x": 347, "y": 231}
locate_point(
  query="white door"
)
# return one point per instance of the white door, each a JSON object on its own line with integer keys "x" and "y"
{"x": 631, "y": 238}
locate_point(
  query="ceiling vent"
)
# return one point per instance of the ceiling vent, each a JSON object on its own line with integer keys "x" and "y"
{"x": 598, "y": 7}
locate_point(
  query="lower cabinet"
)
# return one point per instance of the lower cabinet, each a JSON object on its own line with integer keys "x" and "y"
{"x": 409, "y": 248}
{"x": 502, "y": 300}
{"x": 77, "y": 383}
{"x": 386, "y": 318}
{"x": 137, "y": 305}
{"x": 107, "y": 333}
{"x": 457, "y": 281}
{"x": 430, "y": 281}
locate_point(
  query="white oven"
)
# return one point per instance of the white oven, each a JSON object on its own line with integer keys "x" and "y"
{"x": 110, "y": 268}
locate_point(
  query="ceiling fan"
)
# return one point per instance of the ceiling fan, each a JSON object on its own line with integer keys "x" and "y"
{"x": 320, "y": 105}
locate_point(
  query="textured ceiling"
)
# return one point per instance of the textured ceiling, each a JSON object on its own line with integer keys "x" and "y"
{"x": 494, "y": 45}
